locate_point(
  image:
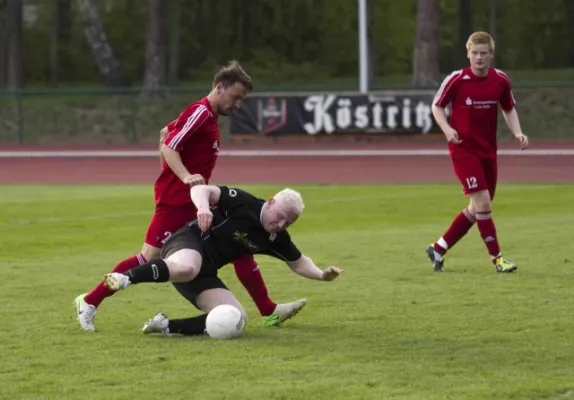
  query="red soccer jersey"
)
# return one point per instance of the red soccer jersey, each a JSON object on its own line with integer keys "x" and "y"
{"x": 474, "y": 109}
{"x": 195, "y": 135}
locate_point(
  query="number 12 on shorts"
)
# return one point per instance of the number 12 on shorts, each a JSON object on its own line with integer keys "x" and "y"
{"x": 471, "y": 182}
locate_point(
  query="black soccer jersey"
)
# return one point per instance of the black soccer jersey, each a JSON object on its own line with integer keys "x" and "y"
{"x": 236, "y": 231}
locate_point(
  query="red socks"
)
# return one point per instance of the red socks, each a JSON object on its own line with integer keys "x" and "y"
{"x": 100, "y": 292}
{"x": 460, "y": 227}
{"x": 248, "y": 273}
{"x": 456, "y": 231}
{"x": 487, "y": 231}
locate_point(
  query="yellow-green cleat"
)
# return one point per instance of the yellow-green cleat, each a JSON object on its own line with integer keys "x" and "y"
{"x": 503, "y": 265}
{"x": 283, "y": 312}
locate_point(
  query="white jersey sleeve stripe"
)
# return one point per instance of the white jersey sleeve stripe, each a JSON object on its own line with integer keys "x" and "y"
{"x": 446, "y": 85}
{"x": 193, "y": 122}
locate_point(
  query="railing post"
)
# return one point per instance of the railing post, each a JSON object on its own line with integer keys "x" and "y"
{"x": 133, "y": 122}
{"x": 19, "y": 117}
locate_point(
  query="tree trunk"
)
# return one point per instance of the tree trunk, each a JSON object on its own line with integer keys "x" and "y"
{"x": 154, "y": 80}
{"x": 107, "y": 63}
{"x": 54, "y": 42}
{"x": 425, "y": 57}
{"x": 492, "y": 24}
{"x": 64, "y": 32}
{"x": 3, "y": 45}
{"x": 569, "y": 6}
{"x": 15, "y": 71}
{"x": 465, "y": 27}
{"x": 60, "y": 36}
{"x": 174, "y": 35}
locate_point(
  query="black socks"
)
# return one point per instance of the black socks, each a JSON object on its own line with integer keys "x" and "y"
{"x": 151, "y": 271}
{"x": 188, "y": 326}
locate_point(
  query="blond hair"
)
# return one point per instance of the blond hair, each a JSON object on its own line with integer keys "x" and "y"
{"x": 480, "y": 38}
{"x": 291, "y": 200}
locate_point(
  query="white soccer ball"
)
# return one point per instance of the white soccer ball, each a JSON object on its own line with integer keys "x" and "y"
{"x": 225, "y": 322}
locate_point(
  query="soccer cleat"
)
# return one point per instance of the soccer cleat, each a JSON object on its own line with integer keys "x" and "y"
{"x": 503, "y": 265}
{"x": 436, "y": 258}
{"x": 86, "y": 313}
{"x": 283, "y": 312}
{"x": 116, "y": 281}
{"x": 158, "y": 324}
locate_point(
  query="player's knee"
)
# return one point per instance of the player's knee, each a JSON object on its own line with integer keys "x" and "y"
{"x": 186, "y": 262}
{"x": 150, "y": 252}
{"x": 480, "y": 202}
{"x": 209, "y": 299}
{"x": 186, "y": 271}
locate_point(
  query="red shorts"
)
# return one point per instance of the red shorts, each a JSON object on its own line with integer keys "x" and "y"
{"x": 166, "y": 220}
{"x": 476, "y": 174}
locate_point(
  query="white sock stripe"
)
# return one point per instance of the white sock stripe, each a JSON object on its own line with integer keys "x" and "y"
{"x": 483, "y": 216}
{"x": 141, "y": 258}
{"x": 442, "y": 243}
{"x": 468, "y": 215}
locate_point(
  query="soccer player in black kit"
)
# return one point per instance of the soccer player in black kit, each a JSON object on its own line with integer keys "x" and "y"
{"x": 236, "y": 224}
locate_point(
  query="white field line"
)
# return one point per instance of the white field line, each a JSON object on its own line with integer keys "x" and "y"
{"x": 271, "y": 153}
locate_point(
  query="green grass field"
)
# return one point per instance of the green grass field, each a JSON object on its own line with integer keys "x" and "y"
{"x": 389, "y": 328}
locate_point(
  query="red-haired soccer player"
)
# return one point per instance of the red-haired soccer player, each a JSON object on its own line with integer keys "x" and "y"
{"x": 474, "y": 94}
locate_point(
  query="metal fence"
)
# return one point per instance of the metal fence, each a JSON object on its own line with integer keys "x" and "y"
{"x": 103, "y": 117}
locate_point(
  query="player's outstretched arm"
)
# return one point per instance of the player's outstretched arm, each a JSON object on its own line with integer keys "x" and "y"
{"x": 513, "y": 122}
{"x": 307, "y": 268}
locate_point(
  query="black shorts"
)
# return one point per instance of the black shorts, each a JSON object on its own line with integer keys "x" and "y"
{"x": 188, "y": 238}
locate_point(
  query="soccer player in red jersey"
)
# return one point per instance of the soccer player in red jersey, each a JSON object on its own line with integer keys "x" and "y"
{"x": 474, "y": 94}
{"x": 188, "y": 151}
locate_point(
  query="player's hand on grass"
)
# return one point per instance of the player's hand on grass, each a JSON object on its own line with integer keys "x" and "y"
{"x": 204, "y": 219}
{"x": 452, "y": 136}
{"x": 194, "y": 180}
{"x": 331, "y": 273}
{"x": 523, "y": 139}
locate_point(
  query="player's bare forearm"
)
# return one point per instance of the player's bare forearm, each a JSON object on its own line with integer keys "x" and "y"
{"x": 173, "y": 159}
{"x": 439, "y": 114}
{"x": 162, "y": 135}
{"x": 513, "y": 122}
{"x": 306, "y": 268}
{"x": 204, "y": 195}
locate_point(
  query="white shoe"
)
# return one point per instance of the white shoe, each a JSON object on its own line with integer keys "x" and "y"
{"x": 86, "y": 313}
{"x": 116, "y": 281}
{"x": 283, "y": 312}
{"x": 159, "y": 323}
